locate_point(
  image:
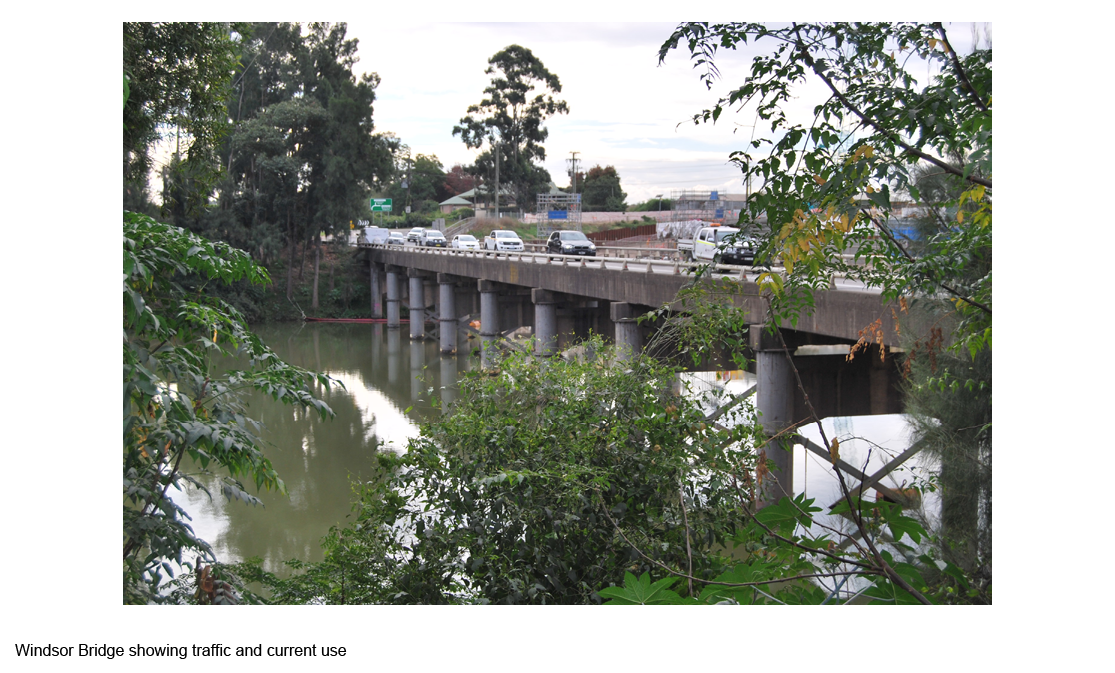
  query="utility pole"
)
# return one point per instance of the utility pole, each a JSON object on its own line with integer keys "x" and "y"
{"x": 573, "y": 173}
{"x": 496, "y": 145}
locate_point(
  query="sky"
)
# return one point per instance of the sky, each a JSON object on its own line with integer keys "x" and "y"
{"x": 625, "y": 110}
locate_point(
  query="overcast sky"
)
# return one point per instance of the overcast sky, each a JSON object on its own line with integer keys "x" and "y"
{"x": 624, "y": 109}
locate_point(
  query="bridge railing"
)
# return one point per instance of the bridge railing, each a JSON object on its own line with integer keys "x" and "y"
{"x": 634, "y": 259}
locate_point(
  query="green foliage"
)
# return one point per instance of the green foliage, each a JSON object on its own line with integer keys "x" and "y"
{"x": 178, "y": 404}
{"x": 176, "y": 82}
{"x": 515, "y": 495}
{"x": 825, "y": 192}
{"x": 602, "y": 190}
{"x": 509, "y": 118}
{"x": 652, "y": 204}
{"x": 426, "y": 179}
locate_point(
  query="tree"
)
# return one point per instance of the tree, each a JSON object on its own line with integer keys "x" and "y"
{"x": 457, "y": 181}
{"x": 178, "y": 412}
{"x": 813, "y": 177}
{"x": 304, "y": 155}
{"x": 425, "y": 177}
{"x": 827, "y": 191}
{"x": 172, "y": 93}
{"x": 510, "y": 121}
{"x": 181, "y": 401}
{"x": 602, "y": 190}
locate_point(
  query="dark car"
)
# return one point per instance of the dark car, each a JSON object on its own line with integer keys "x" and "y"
{"x": 570, "y": 243}
{"x": 740, "y": 253}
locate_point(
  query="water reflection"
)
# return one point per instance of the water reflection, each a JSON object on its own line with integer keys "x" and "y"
{"x": 319, "y": 459}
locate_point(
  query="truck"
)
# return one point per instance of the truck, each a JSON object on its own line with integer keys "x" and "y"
{"x": 710, "y": 246}
{"x": 373, "y": 236}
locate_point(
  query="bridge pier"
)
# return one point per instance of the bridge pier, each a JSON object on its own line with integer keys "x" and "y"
{"x": 545, "y": 322}
{"x": 417, "y": 305}
{"x": 393, "y": 296}
{"x": 629, "y": 337}
{"x": 377, "y": 298}
{"x": 489, "y": 320}
{"x": 775, "y": 401}
{"x": 447, "y": 313}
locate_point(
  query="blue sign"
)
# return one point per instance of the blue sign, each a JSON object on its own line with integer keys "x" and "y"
{"x": 714, "y": 196}
{"x": 559, "y": 214}
{"x": 719, "y": 213}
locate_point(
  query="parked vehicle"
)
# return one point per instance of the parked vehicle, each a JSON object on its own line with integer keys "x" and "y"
{"x": 373, "y": 236}
{"x": 414, "y": 235}
{"x": 570, "y": 243}
{"x": 432, "y": 238}
{"x": 710, "y": 246}
{"x": 396, "y": 238}
{"x": 503, "y": 240}
{"x": 465, "y": 242}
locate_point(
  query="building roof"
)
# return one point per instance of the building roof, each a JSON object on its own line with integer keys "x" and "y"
{"x": 456, "y": 201}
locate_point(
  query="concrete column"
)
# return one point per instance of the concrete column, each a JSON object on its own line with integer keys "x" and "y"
{"x": 393, "y": 296}
{"x": 377, "y": 299}
{"x": 775, "y": 401}
{"x": 417, "y": 306}
{"x": 447, "y": 313}
{"x": 489, "y": 320}
{"x": 545, "y": 322}
{"x": 629, "y": 337}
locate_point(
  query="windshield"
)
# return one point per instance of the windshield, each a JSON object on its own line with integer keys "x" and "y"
{"x": 466, "y": 238}
{"x": 573, "y": 236}
{"x": 434, "y": 234}
{"x": 506, "y": 234}
{"x": 721, "y": 234}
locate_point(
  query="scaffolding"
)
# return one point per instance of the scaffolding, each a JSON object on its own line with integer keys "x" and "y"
{"x": 711, "y": 206}
{"x": 558, "y": 212}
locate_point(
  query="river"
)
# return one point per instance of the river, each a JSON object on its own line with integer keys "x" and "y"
{"x": 384, "y": 374}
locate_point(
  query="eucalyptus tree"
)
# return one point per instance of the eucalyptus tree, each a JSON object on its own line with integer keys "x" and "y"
{"x": 509, "y": 120}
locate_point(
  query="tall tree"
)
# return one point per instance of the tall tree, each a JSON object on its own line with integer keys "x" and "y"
{"x": 509, "y": 120}
{"x": 602, "y": 190}
{"x": 173, "y": 94}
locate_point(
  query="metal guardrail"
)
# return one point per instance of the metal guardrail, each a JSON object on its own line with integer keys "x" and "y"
{"x": 634, "y": 259}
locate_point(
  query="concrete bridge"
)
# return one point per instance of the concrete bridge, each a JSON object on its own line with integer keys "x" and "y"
{"x": 563, "y": 298}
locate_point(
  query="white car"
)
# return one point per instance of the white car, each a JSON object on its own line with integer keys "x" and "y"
{"x": 414, "y": 236}
{"x": 465, "y": 242}
{"x": 503, "y": 240}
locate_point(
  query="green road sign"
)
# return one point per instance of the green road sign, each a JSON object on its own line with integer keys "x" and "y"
{"x": 381, "y": 205}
